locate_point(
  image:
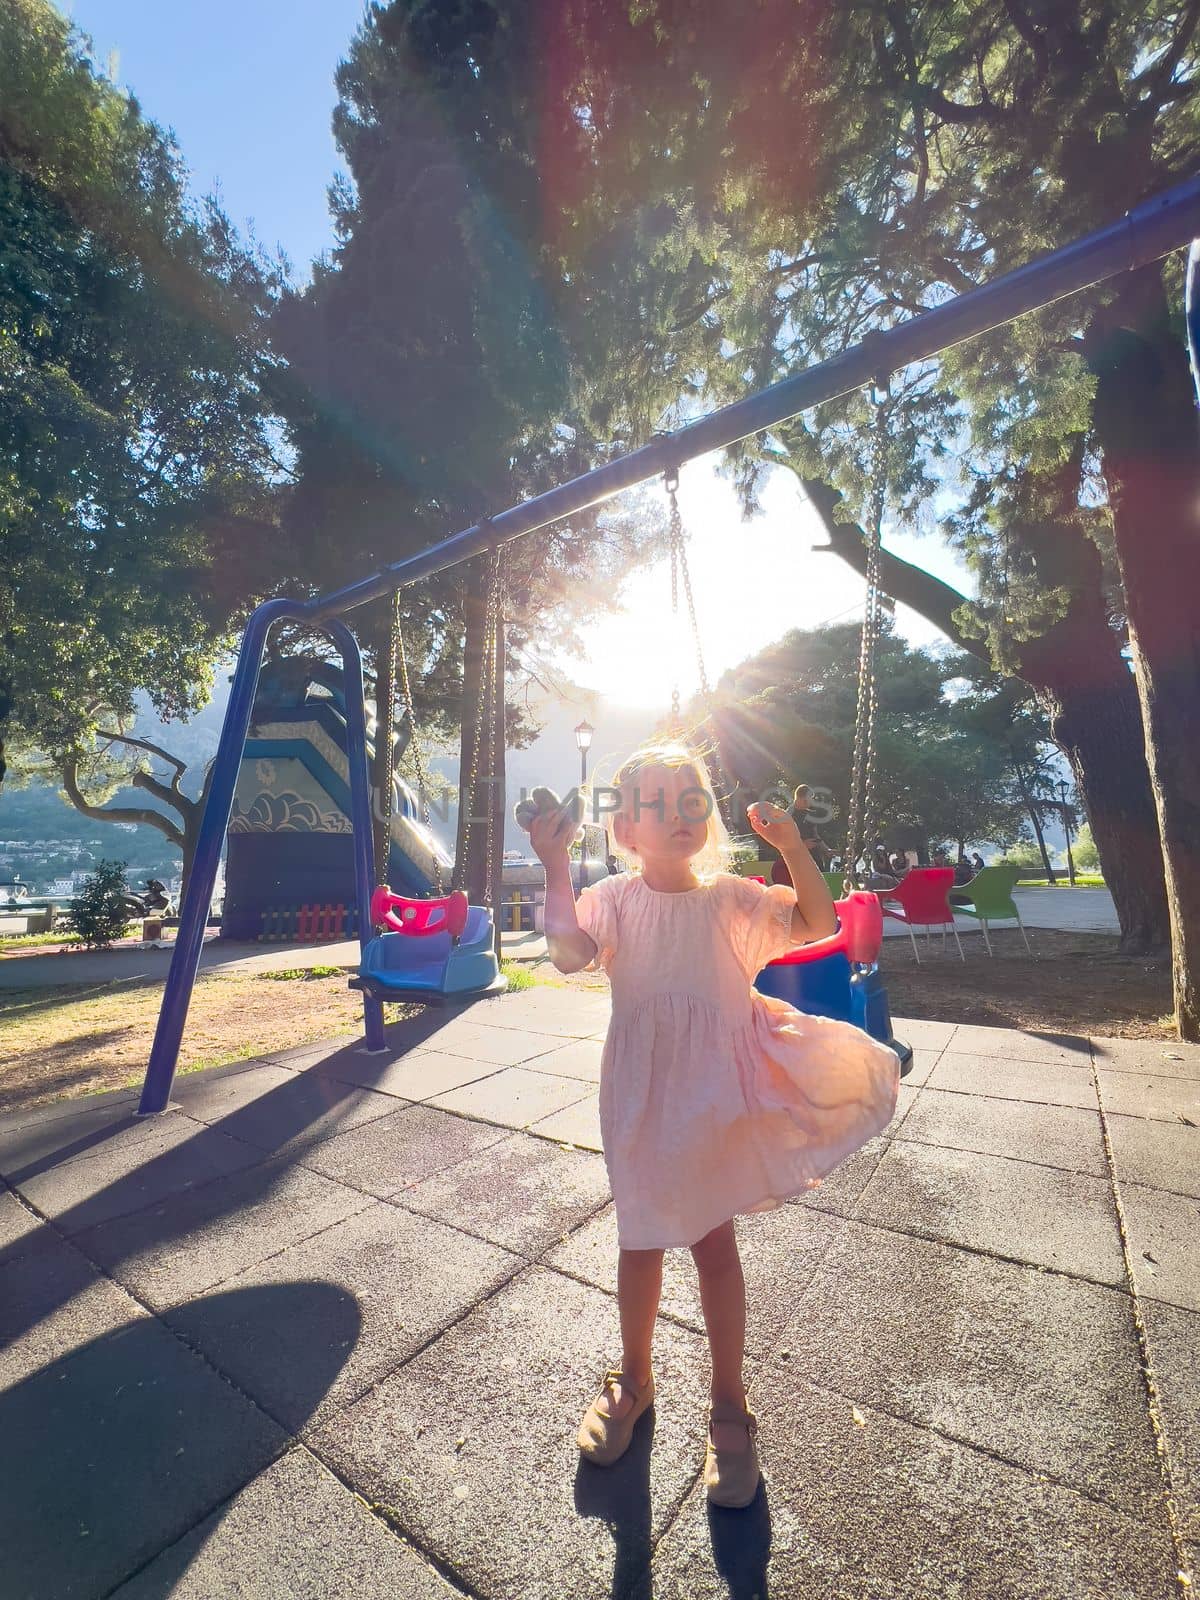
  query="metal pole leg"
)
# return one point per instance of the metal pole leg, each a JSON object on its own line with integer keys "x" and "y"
{"x": 360, "y": 812}
{"x": 193, "y": 914}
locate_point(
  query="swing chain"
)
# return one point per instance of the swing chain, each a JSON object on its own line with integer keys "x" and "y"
{"x": 385, "y": 729}
{"x": 861, "y": 818}
{"x": 486, "y": 699}
{"x": 677, "y": 548}
{"x": 400, "y": 659}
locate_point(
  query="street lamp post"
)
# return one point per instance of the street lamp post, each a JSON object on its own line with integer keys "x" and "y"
{"x": 583, "y": 739}
{"x": 1066, "y": 818}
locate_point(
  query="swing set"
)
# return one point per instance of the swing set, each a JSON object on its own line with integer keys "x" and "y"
{"x": 448, "y": 928}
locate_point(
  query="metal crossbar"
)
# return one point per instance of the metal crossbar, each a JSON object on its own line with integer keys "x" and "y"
{"x": 1165, "y": 223}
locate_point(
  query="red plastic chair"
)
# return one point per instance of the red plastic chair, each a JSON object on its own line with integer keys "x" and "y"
{"x": 422, "y": 918}
{"x": 924, "y": 897}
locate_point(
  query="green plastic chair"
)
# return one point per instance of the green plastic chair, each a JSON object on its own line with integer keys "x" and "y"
{"x": 835, "y": 882}
{"x": 988, "y": 898}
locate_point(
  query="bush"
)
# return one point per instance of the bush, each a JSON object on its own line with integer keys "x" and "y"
{"x": 100, "y": 913}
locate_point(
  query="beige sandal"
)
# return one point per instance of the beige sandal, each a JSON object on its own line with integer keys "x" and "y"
{"x": 604, "y": 1439}
{"x": 731, "y": 1476}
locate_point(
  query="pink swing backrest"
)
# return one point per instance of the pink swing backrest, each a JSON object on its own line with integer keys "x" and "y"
{"x": 859, "y": 937}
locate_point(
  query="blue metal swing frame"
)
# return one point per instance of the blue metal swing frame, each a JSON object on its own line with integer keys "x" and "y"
{"x": 1152, "y": 230}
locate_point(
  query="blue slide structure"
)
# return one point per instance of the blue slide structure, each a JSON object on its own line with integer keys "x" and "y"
{"x": 290, "y": 841}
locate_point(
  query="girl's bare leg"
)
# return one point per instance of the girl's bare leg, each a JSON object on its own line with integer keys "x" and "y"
{"x": 723, "y": 1297}
{"x": 639, "y": 1285}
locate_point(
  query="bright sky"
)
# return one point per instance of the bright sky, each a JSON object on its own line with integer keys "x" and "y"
{"x": 247, "y": 86}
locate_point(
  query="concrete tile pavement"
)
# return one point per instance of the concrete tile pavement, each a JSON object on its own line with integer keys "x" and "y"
{"x": 330, "y": 1329}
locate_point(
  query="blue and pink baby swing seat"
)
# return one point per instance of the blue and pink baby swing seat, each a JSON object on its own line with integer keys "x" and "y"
{"x": 839, "y": 976}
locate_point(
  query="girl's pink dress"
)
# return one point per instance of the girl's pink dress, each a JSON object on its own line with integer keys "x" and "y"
{"x": 715, "y": 1099}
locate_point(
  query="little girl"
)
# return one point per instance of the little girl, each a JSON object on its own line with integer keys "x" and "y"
{"x": 714, "y": 1100}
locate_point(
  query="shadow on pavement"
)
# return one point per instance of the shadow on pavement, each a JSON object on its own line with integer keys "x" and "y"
{"x": 131, "y": 1440}
{"x": 620, "y": 1497}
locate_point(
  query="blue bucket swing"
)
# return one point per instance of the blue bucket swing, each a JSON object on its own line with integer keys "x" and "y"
{"x": 442, "y": 949}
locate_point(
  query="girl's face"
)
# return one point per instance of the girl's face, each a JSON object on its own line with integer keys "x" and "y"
{"x": 664, "y": 814}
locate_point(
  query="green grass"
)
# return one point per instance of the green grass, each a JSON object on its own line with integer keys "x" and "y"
{"x": 1083, "y": 880}
{"x": 304, "y": 972}
{"x": 31, "y": 941}
{"x": 519, "y": 977}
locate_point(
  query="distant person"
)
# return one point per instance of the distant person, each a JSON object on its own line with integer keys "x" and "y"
{"x": 963, "y": 872}
{"x": 978, "y": 862}
{"x": 613, "y": 865}
{"x": 898, "y": 865}
{"x": 817, "y": 848}
{"x": 879, "y": 877}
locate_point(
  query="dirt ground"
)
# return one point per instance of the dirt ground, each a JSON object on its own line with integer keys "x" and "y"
{"x": 1076, "y": 983}
{"x": 71, "y": 1041}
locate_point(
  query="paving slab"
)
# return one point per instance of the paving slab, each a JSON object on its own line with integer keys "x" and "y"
{"x": 1030, "y": 1213}
{"x": 504, "y": 1047}
{"x": 513, "y": 1098}
{"x": 578, "y": 1059}
{"x": 780, "y": 1251}
{"x": 1173, "y": 1341}
{"x": 1165, "y": 1058}
{"x": 1133, "y": 1094}
{"x": 209, "y": 1096}
{"x": 569, "y": 1013}
{"x": 839, "y": 1192}
{"x": 522, "y": 1193}
{"x": 877, "y": 1509}
{"x": 30, "y": 1147}
{"x": 473, "y": 1444}
{"x": 191, "y": 1242}
{"x": 302, "y": 1111}
{"x": 67, "y": 1106}
{"x": 390, "y": 1282}
{"x": 923, "y": 1034}
{"x": 923, "y": 1063}
{"x": 1040, "y": 1082}
{"x": 20, "y": 1230}
{"x": 577, "y": 1124}
{"x": 52, "y": 1302}
{"x": 135, "y": 1167}
{"x": 1158, "y": 1155}
{"x": 294, "y": 1531}
{"x": 1038, "y": 1368}
{"x": 385, "y": 1155}
{"x": 416, "y": 1075}
{"x": 1057, "y": 1136}
{"x": 131, "y": 1440}
{"x": 1014, "y": 1044}
{"x": 1164, "y": 1244}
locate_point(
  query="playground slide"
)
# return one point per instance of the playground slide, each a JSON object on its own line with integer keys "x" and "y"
{"x": 290, "y": 840}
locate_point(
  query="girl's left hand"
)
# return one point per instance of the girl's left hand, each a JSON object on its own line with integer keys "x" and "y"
{"x": 777, "y": 827}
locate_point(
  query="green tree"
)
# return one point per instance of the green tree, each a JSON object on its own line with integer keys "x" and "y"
{"x": 436, "y": 363}
{"x": 949, "y": 736}
{"x": 134, "y": 438}
{"x": 1083, "y": 848}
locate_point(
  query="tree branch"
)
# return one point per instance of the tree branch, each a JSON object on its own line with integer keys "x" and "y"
{"x": 145, "y": 744}
{"x": 1023, "y": 23}
{"x": 933, "y": 599}
{"x": 154, "y": 819}
{"x": 1160, "y": 74}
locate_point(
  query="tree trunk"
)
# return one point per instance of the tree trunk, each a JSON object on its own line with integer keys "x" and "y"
{"x": 1099, "y": 730}
{"x": 1035, "y": 817}
{"x": 1081, "y": 676}
{"x": 1146, "y": 427}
